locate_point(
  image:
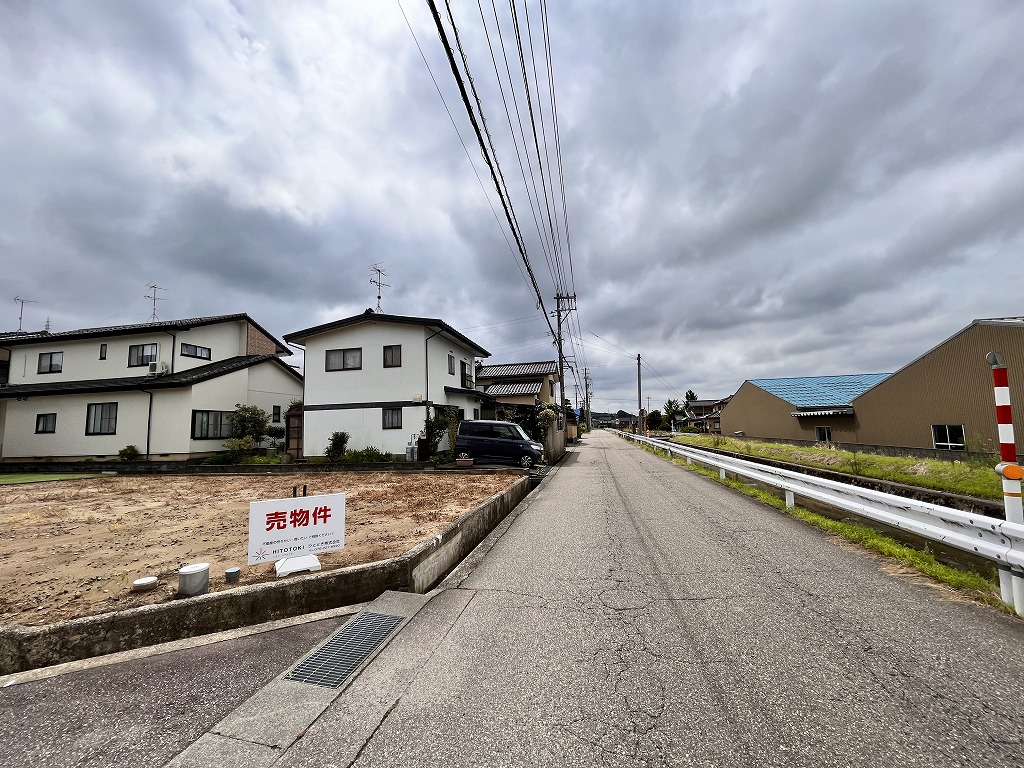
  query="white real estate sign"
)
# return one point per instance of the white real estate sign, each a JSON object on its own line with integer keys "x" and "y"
{"x": 282, "y": 528}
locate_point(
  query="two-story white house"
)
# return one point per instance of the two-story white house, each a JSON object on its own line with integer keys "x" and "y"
{"x": 377, "y": 376}
{"x": 164, "y": 387}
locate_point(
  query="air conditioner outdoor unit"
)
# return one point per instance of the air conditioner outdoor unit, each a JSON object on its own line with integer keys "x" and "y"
{"x": 417, "y": 398}
{"x": 158, "y": 368}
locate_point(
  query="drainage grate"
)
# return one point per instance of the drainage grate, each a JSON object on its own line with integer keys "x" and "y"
{"x": 333, "y": 663}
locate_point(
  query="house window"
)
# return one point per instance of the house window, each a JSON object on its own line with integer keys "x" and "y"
{"x": 393, "y": 356}
{"x": 462, "y": 414}
{"x": 276, "y": 418}
{"x": 551, "y": 388}
{"x": 103, "y": 351}
{"x": 50, "y": 362}
{"x": 451, "y": 363}
{"x": 948, "y": 437}
{"x": 392, "y": 418}
{"x": 46, "y": 423}
{"x": 101, "y": 419}
{"x": 476, "y": 414}
{"x": 467, "y": 376}
{"x": 211, "y": 425}
{"x": 141, "y": 354}
{"x": 191, "y": 350}
{"x": 823, "y": 434}
{"x": 344, "y": 359}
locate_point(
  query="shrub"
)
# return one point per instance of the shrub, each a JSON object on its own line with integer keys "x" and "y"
{"x": 276, "y": 434}
{"x": 129, "y": 453}
{"x": 336, "y": 447}
{"x": 220, "y": 458}
{"x": 250, "y": 421}
{"x": 369, "y": 455}
{"x": 237, "y": 447}
{"x": 272, "y": 459}
{"x": 442, "y": 457}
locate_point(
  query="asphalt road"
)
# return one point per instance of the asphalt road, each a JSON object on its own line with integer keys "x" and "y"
{"x": 631, "y": 613}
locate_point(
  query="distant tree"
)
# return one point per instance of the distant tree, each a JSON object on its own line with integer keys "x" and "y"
{"x": 671, "y": 408}
{"x": 249, "y": 421}
{"x": 690, "y": 395}
{"x": 654, "y": 420}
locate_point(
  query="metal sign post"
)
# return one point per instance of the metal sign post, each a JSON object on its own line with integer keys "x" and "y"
{"x": 292, "y": 532}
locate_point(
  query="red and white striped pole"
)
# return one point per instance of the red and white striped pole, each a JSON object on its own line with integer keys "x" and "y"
{"x": 1011, "y": 584}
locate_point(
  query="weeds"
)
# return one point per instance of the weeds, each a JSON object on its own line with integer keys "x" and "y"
{"x": 973, "y": 477}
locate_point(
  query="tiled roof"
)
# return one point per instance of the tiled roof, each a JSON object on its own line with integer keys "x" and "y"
{"x": 168, "y": 381}
{"x": 821, "y": 391}
{"x": 369, "y": 316}
{"x": 513, "y": 388}
{"x": 34, "y": 337}
{"x": 545, "y": 368}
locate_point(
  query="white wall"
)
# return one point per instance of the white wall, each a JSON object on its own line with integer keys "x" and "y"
{"x": 70, "y": 438}
{"x": 172, "y": 424}
{"x": 364, "y": 426}
{"x": 269, "y": 385}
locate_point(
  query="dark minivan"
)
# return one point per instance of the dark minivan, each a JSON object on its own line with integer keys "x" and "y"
{"x": 503, "y": 440}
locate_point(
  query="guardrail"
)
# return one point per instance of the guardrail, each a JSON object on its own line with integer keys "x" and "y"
{"x": 996, "y": 540}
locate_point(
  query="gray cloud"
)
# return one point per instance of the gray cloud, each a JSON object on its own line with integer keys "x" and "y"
{"x": 754, "y": 189}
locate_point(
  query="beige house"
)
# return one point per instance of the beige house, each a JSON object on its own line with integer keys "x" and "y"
{"x": 528, "y": 384}
{"x": 942, "y": 401}
{"x": 519, "y": 383}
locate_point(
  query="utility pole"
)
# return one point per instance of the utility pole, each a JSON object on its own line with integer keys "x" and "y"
{"x": 639, "y": 400}
{"x": 586, "y": 395}
{"x": 563, "y": 304}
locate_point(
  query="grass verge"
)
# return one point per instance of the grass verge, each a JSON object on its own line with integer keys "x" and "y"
{"x": 974, "y": 476}
{"x": 973, "y": 585}
{"x": 37, "y": 477}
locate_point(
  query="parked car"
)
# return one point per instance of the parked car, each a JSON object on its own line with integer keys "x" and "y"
{"x": 500, "y": 440}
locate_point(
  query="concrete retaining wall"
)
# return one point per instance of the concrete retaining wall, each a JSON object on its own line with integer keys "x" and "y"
{"x": 24, "y": 648}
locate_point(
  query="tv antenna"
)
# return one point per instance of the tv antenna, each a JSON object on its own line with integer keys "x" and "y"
{"x": 376, "y": 280}
{"x": 21, "y": 311}
{"x": 154, "y": 298}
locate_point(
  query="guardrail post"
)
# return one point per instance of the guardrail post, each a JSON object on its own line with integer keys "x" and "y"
{"x": 790, "y": 500}
{"x": 1011, "y": 583}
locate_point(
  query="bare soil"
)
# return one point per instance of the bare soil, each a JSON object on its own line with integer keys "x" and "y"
{"x": 72, "y": 548}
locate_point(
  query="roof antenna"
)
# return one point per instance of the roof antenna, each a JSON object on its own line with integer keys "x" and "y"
{"x": 154, "y": 298}
{"x": 21, "y": 312}
{"x": 376, "y": 280}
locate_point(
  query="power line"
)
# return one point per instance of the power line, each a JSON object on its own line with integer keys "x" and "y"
{"x": 502, "y": 193}
{"x": 461, "y": 140}
{"x": 515, "y": 143}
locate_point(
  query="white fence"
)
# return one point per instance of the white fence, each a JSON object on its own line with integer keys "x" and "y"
{"x": 997, "y": 540}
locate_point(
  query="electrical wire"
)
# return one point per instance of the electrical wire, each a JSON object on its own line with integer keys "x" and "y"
{"x": 490, "y": 163}
{"x": 461, "y": 140}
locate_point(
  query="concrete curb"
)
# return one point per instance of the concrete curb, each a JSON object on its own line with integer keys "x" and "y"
{"x": 25, "y": 648}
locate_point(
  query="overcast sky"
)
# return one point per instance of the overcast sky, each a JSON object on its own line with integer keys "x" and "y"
{"x": 753, "y": 189}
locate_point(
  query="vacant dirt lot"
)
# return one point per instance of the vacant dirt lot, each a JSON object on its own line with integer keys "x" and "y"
{"x": 73, "y": 547}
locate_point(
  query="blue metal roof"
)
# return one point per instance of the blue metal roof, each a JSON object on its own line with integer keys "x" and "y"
{"x": 821, "y": 391}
